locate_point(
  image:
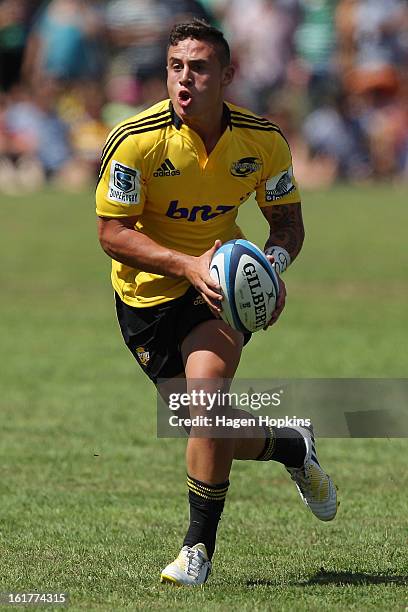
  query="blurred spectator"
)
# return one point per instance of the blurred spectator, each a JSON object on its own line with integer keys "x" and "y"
{"x": 216, "y": 9}
{"x": 261, "y": 33}
{"x": 315, "y": 45}
{"x": 14, "y": 21}
{"x": 331, "y": 131}
{"x": 375, "y": 32}
{"x": 80, "y": 107}
{"x": 66, "y": 42}
{"x": 3, "y": 135}
{"x": 383, "y": 117}
{"x": 138, "y": 33}
{"x": 185, "y": 10}
{"x": 315, "y": 36}
{"x": 127, "y": 96}
{"x": 34, "y": 127}
{"x": 373, "y": 53}
{"x": 123, "y": 93}
{"x": 39, "y": 141}
{"x": 332, "y": 73}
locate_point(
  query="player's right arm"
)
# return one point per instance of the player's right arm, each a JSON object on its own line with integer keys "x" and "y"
{"x": 122, "y": 242}
{"x": 120, "y": 199}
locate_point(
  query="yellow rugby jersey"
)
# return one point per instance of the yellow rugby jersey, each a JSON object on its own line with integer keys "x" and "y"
{"x": 155, "y": 167}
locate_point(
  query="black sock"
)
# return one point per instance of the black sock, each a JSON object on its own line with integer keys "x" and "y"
{"x": 285, "y": 445}
{"x": 206, "y": 506}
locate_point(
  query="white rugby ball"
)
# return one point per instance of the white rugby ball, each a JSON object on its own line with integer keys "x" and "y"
{"x": 248, "y": 283}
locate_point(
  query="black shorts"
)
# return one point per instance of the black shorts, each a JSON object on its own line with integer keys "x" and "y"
{"x": 154, "y": 334}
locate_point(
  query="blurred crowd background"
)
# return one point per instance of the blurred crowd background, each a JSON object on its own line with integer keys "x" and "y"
{"x": 332, "y": 73}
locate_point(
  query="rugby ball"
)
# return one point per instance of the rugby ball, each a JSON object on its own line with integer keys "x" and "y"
{"x": 248, "y": 283}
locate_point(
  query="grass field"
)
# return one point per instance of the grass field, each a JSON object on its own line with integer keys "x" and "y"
{"x": 93, "y": 504}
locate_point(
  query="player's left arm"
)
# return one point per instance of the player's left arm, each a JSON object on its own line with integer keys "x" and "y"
{"x": 286, "y": 233}
{"x": 278, "y": 198}
{"x": 285, "y": 241}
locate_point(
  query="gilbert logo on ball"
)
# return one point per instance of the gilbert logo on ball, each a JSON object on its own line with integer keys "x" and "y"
{"x": 248, "y": 283}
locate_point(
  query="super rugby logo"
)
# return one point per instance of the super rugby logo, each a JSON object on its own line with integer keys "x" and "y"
{"x": 206, "y": 212}
{"x": 124, "y": 184}
{"x": 245, "y": 166}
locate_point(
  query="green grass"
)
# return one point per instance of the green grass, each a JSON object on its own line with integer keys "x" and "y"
{"x": 94, "y": 504}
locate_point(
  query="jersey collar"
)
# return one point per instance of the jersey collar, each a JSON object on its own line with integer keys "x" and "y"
{"x": 177, "y": 122}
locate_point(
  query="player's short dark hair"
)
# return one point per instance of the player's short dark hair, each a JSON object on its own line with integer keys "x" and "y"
{"x": 201, "y": 30}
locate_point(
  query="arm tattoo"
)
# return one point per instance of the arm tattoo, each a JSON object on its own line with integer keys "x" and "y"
{"x": 286, "y": 227}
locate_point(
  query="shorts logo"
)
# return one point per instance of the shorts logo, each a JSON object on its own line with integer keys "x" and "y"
{"x": 124, "y": 184}
{"x": 199, "y": 300}
{"x": 143, "y": 355}
{"x": 280, "y": 185}
{"x": 167, "y": 169}
{"x": 245, "y": 166}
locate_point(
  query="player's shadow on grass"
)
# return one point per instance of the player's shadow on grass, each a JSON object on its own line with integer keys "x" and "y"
{"x": 339, "y": 579}
{"x": 353, "y": 578}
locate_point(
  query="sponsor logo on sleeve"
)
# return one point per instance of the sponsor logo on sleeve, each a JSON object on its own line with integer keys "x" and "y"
{"x": 280, "y": 185}
{"x": 245, "y": 166}
{"x": 124, "y": 184}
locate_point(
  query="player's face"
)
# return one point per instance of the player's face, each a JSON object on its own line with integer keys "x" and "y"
{"x": 195, "y": 78}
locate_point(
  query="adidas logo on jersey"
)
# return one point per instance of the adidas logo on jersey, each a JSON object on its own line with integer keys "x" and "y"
{"x": 166, "y": 169}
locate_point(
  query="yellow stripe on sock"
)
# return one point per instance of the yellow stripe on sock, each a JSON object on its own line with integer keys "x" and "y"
{"x": 206, "y": 492}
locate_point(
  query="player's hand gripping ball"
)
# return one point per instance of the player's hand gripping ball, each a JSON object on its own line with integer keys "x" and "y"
{"x": 248, "y": 282}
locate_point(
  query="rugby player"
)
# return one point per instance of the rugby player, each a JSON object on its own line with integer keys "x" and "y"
{"x": 171, "y": 181}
